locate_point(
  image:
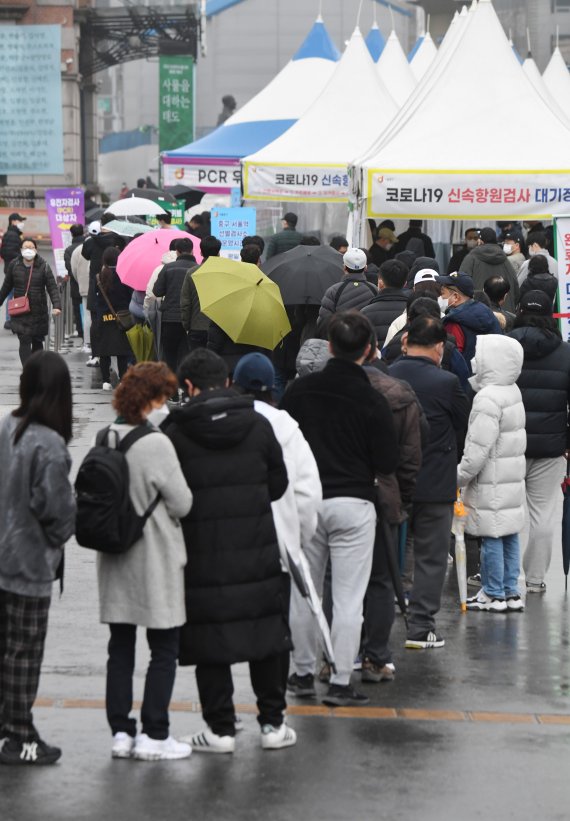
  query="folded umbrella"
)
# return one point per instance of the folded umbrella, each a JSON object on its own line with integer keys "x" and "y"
{"x": 304, "y": 273}
{"x": 135, "y": 207}
{"x": 141, "y": 340}
{"x": 242, "y": 301}
{"x": 566, "y": 524}
{"x": 143, "y": 254}
{"x": 458, "y": 530}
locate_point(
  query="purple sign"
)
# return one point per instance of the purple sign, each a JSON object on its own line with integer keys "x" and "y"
{"x": 65, "y": 207}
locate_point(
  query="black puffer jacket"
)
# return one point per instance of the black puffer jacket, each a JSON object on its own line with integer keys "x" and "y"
{"x": 545, "y": 386}
{"x": 353, "y": 292}
{"x": 169, "y": 285}
{"x": 235, "y": 601}
{"x": 547, "y": 283}
{"x": 36, "y": 323}
{"x": 384, "y": 309}
{"x": 93, "y": 249}
{"x": 11, "y": 245}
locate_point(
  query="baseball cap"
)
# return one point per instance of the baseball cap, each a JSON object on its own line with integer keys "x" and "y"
{"x": 255, "y": 372}
{"x": 94, "y": 228}
{"x": 426, "y": 275}
{"x": 459, "y": 281}
{"x": 15, "y": 216}
{"x": 387, "y": 233}
{"x": 291, "y": 218}
{"x": 355, "y": 259}
{"x": 537, "y": 303}
{"x": 511, "y": 236}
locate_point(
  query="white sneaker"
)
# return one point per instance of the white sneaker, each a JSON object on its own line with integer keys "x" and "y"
{"x": 209, "y": 742}
{"x": 515, "y": 604}
{"x": 273, "y": 738}
{"x": 92, "y": 362}
{"x": 152, "y": 749}
{"x": 123, "y": 745}
{"x": 484, "y": 602}
{"x": 86, "y": 349}
{"x": 107, "y": 386}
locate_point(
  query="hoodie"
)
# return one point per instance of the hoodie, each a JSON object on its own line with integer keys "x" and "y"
{"x": 493, "y": 466}
{"x": 419, "y": 265}
{"x": 473, "y": 319}
{"x": 490, "y": 260}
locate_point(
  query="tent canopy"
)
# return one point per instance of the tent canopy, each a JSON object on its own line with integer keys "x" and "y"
{"x": 309, "y": 161}
{"x": 557, "y": 80}
{"x": 395, "y": 71}
{"x": 375, "y": 42}
{"x": 423, "y": 56}
{"x": 531, "y": 70}
{"x": 449, "y": 158}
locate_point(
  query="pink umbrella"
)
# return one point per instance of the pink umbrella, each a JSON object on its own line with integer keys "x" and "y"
{"x": 143, "y": 254}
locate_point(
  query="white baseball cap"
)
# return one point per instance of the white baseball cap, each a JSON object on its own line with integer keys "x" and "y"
{"x": 355, "y": 259}
{"x": 425, "y": 275}
{"x": 94, "y": 228}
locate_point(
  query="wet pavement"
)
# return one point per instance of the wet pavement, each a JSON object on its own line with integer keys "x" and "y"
{"x": 478, "y": 729}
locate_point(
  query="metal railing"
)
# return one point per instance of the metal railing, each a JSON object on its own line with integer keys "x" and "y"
{"x": 61, "y": 327}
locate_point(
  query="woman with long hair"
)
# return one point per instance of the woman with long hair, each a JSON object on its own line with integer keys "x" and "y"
{"x": 144, "y": 586}
{"x": 37, "y": 516}
{"x": 30, "y": 275}
{"x": 112, "y": 340}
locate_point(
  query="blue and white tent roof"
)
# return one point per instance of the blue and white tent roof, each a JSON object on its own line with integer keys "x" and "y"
{"x": 276, "y": 107}
{"x": 375, "y": 41}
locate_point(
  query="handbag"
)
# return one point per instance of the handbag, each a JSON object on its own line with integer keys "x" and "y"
{"x": 124, "y": 319}
{"x": 20, "y": 305}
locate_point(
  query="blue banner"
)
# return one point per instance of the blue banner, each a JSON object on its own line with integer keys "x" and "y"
{"x": 31, "y": 131}
{"x": 230, "y": 226}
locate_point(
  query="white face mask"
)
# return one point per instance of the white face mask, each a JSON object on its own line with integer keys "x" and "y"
{"x": 20, "y": 225}
{"x": 532, "y": 252}
{"x": 443, "y": 303}
{"x": 508, "y": 248}
{"x": 29, "y": 253}
{"x": 157, "y": 415}
{"x": 389, "y": 246}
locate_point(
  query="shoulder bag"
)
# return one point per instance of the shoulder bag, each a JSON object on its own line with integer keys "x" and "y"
{"x": 124, "y": 319}
{"x": 20, "y": 305}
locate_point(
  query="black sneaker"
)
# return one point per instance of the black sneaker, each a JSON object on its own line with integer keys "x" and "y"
{"x": 28, "y": 752}
{"x": 344, "y": 696}
{"x": 425, "y": 642}
{"x": 301, "y": 686}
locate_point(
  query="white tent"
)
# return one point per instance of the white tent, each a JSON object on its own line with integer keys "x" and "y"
{"x": 395, "y": 71}
{"x": 424, "y": 57}
{"x": 557, "y": 80}
{"x": 309, "y": 162}
{"x": 531, "y": 70}
{"x": 449, "y": 157}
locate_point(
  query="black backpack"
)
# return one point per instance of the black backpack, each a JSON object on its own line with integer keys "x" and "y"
{"x": 106, "y": 519}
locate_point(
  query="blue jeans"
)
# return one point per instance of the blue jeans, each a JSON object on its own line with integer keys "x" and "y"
{"x": 500, "y": 562}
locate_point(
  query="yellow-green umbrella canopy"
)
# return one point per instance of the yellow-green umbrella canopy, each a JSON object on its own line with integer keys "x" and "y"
{"x": 245, "y": 303}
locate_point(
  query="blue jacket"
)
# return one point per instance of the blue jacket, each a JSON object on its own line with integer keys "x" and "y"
{"x": 447, "y": 411}
{"x": 474, "y": 318}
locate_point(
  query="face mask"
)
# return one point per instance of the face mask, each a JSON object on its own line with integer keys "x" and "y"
{"x": 472, "y": 243}
{"x": 532, "y": 252}
{"x": 507, "y": 248}
{"x": 29, "y": 253}
{"x": 389, "y": 246}
{"x": 157, "y": 415}
{"x": 443, "y": 303}
{"x": 19, "y": 225}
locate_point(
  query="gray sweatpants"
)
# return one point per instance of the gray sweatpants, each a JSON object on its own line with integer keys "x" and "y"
{"x": 345, "y": 533}
{"x": 431, "y": 529}
{"x": 542, "y": 518}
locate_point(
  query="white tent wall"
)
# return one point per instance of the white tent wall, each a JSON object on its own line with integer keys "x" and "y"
{"x": 423, "y": 59}
{"x": 557, "y": 80}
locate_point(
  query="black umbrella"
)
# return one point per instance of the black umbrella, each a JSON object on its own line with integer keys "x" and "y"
{"x": 151, "y": 194}
{"x": 566, "y": 524}
{"x": 191, "y": 196}
{"x": 94, "y": 214}
{"x": 304, "y": 273}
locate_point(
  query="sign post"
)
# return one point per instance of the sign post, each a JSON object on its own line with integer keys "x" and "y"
{"x": 65, "y": 207}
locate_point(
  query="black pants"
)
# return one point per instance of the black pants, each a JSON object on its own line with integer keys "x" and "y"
{"x": 216, "y": 689}
{"x": 159, "y": 680}
{"x": 174, "y": 344}
{"x": 379, "y": 609}
{"x": 105, "y": 365}
{"x": 197, "y": 339}
{"x": 28, "y": 345}
{"x": 23, "y": 627}
{"x": 76, "y": 302}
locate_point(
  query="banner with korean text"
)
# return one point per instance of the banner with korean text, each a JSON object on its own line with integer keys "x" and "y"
{"x": 562, "y": 238}
{"x": 326, "y": 183}
{"x": 213, "y": 176}
{"x": 65, "y": 207}
{"x": 176, "y": 101}
{"x": 467, "y": 195}
{"x": 31, "y": 130}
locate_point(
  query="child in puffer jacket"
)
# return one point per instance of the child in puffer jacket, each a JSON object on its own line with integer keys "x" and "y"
{"x": 492, "y": 471}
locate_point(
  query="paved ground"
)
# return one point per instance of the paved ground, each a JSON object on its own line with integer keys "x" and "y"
{"x": 478, "y": 729}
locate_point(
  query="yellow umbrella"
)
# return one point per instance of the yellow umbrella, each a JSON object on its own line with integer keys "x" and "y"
{"x": 245, "y": 303}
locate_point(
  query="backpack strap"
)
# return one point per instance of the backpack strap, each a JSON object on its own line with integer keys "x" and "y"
{"x": 346, "y": 283}
{"x": 127, "y": 442}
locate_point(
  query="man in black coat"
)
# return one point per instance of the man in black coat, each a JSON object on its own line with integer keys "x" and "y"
{"x": 391, "y": 301}
{"x": 77, "y": 238}
{"x": 237, "y": 598}
{"x": 471, "y": 241}
{"x": 414, "y": 231}
{"x": 447, "y": 411}
{"x": 10, "y": 247}
{"x": 350, "y": 429}
{"x": 169, "y": 283}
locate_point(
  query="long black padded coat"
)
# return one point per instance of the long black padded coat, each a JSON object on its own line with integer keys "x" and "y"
{"x": 236, "y": 600}
{"x": 36, "y": 323}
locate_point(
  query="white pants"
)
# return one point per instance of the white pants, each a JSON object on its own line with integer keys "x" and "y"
{"x": 345, "y": 533}
{"x": 543, "y": 524}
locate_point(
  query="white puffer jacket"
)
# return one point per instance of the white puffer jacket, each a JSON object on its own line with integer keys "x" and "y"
{"x": 493, "y": 466}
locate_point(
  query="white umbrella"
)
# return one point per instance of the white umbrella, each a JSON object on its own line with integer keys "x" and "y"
{"x": 458, "y": 530}
{"x": 134, "y": 207}
{"x": 128, "y": 229}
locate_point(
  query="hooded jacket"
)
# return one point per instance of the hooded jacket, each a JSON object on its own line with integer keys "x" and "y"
{"x": 235, "y": 602}
{"x": 419, "y": 265}
{"x": 11, "y": 244}
{"x": 552, "y": 266}
{"x": 545, "y": 386}
{"x": 80, "y": 270}
{"x": 489, "y": 260}
{"x": 493, "y": 466}
{"x": 36, "y": 323}
{"x": 93, "y": 249}
{"x": 474, "y": 320}
{"x": 383, "y": 309}
{"x": 353, "y": 292}
{"x": 169, "y": 284}
{"x": 547, "y": 283}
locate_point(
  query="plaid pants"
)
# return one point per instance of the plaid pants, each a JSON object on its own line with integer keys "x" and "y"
{"x": 23, "y": 627}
